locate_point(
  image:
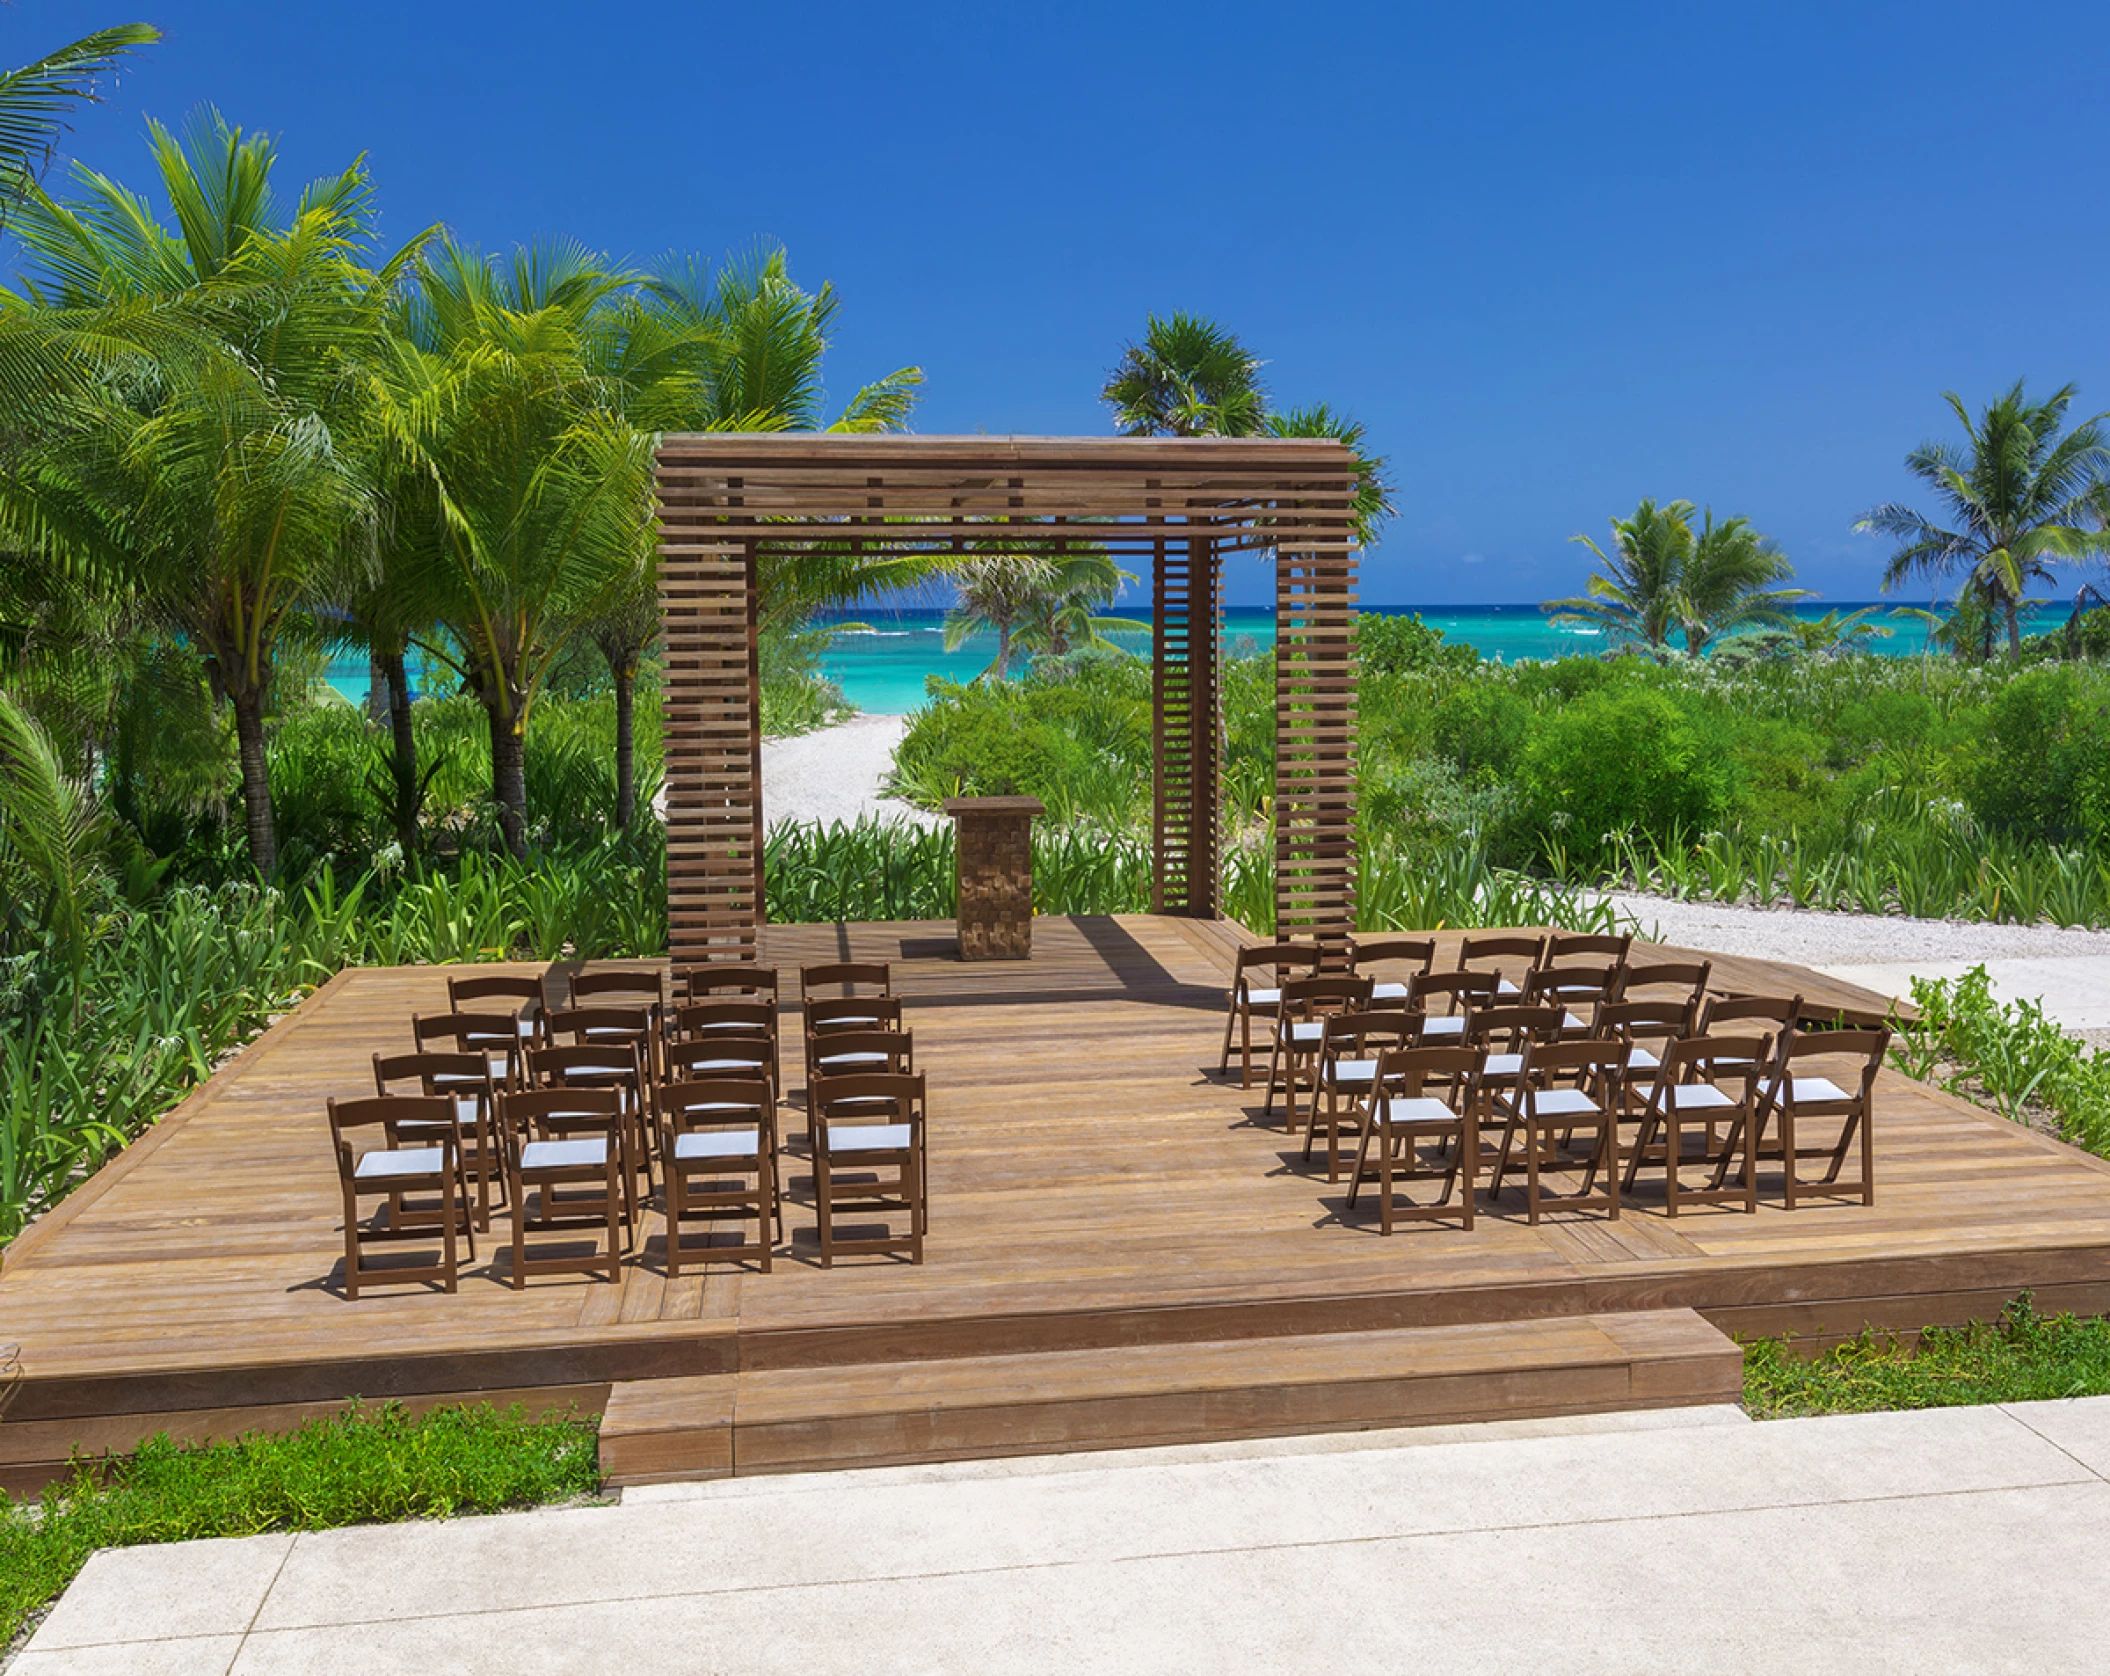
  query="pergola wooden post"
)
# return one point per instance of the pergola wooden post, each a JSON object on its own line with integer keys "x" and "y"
{"x": 1183, "y": 502}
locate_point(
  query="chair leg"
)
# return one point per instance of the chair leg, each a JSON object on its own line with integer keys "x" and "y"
{"x": 448, "y": 1183}
{"x": 1230, "y": 1024}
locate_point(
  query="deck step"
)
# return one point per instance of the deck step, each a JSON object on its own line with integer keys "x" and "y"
{"x": 891, "y": 1413}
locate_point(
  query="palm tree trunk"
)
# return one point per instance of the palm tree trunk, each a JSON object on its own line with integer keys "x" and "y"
{"x": 1003, "y": 650}
{"x": 256, "y": 778}
{"x": 403, "y": 759}
{"x": 625, "y": 745}
{"x": 509, "y": 782}
{"x": 2014, "y": 630}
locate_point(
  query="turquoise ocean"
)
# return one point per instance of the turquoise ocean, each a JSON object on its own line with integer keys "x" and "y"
{"x": 882, "y": 667}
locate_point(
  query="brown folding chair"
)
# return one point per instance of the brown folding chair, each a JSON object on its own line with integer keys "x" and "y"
{"x": 621, "y": 986}
{"x": 1394, "y": 962}
{"x": 616, "y": 1067}
{"x": 1579, "y": 991}
{"x": 1245, "y": 997}
{"x": 1563, "y": 1086}
{"x": 1405, "y": 1114}
{"x": 1443, "y": 1000}
{"x": 560, "y": 1139}
{"x": 519, "y": 994}
{"x": 1502, "y": 1033}
{"x": 729, "y": 1019}
{"x": 850, "y": 1012}
{"x": 465, "y": 1079}
{"x": 1300, "y": 1027}
{"x": 732, "y": 981}
{"x": 1349, "y": 1050}
{"x": 1604, "y": 948}
{"x": 1793, "y": 1098}
{"x": 1779, "y": 1014}
{"x": 1679, "y": 1097}
{"x": 392, "y": 1170}
{"x": 715, "y": 1135}
{"x": 1648, "y": 1027}
{"x": 494, "y": 1035}
{"x": 857, "y": 1052}
{"x": 1515, "y": 952}
{"x": 1687, "y": 979}
{"x": 864, "y": 1126}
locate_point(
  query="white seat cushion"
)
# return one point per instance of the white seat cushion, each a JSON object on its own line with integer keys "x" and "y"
{"x": 1642, "y": 1060}
{"x": 1688, "y": 1096}
{"x": 874, "y": 1058}
{"x": 1570, "y": 1022}
{"x": 1422, "y": 1108}
{"x": 1505, "y": 987}
{"x": 1503, "y": 1064}
{"x": 405, "y": 1161}
{"x": 1353, "y": 1070}
{"x": 1263, "y": 997}
{"x": 1561, "y": 1102}
{"x": 751, "y": 1066}
{"x": 1443, "y": 1026}
{"x": 719, "y": 1143}
{"x": 1309, "y": 1030}
{"x": 868, "y": 1137}
{"x": 1388, "y": 991}
{"x": 1814, "y": 1091}
{"x": 861, "y": 1021}
{"x": 588, "y": 1152}
{"x": 602, "y": 1068}
{"x": 526, "y": 1027}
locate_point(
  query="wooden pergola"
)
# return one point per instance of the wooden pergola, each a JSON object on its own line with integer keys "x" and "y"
{"x": 1184, "y": 502}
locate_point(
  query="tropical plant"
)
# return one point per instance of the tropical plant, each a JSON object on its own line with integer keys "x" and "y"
{"x": 1837, "y": 631}
{"x": 1034, "y": 595}
{"x": 36, "y": 97}
{"x": 2020, "y": 495}
{"x": 236, "y": 462}
{"x": 51, "y": 838}
{"x": 1729, "y": 584}
{"x": 1636, "y": 593}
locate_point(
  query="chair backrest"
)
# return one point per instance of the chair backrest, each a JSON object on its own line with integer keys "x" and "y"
{"x": 713, "y": 1102}
{"x": 1686, "y": 975}
{"x": 1643, "y": 1022}
{"x": 1366, "y": 1035}
{"x": 1869, "y": 1046}
{"x": 1306, "y": 998}
{"x": 1458, "y": 991}
{"x": 732, "y": 980}
{"x": 1279, "y": 958}
{"x": 618, "y": 1064}
{"x": 597, "y": 1024}
{"x": 881, "y": 1096}
{"x": 722, "y": 1017}
{"x": 1573, "y": 1059}
{"x": 853, "y": 1012}
{"x": 1413, "y": 1071}
{"x": 431, "y": 1113}
{"x": 1418, "y": 954}
{"x": 1570, "y": 986}
{"x": 853, "y": 1052}
{"x": 1744, "y": 1059}
{"x": 521, "y": 990}
{"x": 639, "y": 987}
{"x": 557, "y": 1111}
{"x": 719, "y": 1056}
{"x": 850, "y": 976}
{"x": 1522, "y": 953}
{"x": 1580, "y": 945}
{"x": 1508, "y": 1028}
{"x": 1783, "y": 1010}
{"x": 434, "y": 1073}
{"x": 494, "y": 1035}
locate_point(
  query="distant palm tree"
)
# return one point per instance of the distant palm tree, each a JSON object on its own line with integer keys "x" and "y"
{"x": 2021, "y": 496}
{"x": 1188, "y": 377}
{"x": 1636, "y": 593}
{"x": 1837, "y": 630}
{"x": 1032, "y": 596}
{"x": 1729, "y": 584}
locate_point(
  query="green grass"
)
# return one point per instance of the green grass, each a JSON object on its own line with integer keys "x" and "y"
{"x": 2022, "y": 1357}
{"x": 361, "y": 1467}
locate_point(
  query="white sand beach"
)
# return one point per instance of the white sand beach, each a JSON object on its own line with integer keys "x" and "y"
{"x": 835, "y": 774}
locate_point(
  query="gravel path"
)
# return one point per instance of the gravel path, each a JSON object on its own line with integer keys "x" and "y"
{"x": 834, "y": 774}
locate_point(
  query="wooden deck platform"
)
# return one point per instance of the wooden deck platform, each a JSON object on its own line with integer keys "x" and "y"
{"x": 1094, "y": 1184}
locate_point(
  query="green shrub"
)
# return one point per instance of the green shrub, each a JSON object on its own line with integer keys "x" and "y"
{"x": 1482, "y": 729}
{"x": 1395, "y": 643}
{"x": 362, "y": 1466}
{"x": 1616, "y": 761}
{"x": 2043, "y": 769}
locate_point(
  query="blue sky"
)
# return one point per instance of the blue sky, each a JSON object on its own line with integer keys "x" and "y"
{"x": 1557, "y": 257}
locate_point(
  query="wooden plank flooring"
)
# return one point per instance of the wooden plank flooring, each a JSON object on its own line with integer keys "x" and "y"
{"x": 1094, "y": 1183}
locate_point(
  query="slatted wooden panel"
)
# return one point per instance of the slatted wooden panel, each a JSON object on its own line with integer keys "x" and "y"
{"x": 1315, "y": 745}
{"x": 713, "y": 742}
{"x": 1187, "y": 598}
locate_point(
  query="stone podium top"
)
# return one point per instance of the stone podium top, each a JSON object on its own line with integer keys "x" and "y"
{"x": 957, "y": 806}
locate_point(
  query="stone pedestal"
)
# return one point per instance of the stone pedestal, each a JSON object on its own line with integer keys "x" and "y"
{"x": 996, "y": 875}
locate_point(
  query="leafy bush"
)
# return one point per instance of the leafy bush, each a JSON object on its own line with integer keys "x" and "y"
{"x": 362, "y": 1466}
{"x": 1482, "y": 729}
{"x": 2010, "y": 1057}
{"x": 1394, "y": 644}
{"x": 1618, "y": 761}
{"x": 2044, "y": 768}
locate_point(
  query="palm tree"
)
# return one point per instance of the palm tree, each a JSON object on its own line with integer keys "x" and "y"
{"x": 1033, "y": 595}
{"x": 2021, "y": 497}
{"x": 1188, "y": 377}
{"x": 236, "y": 459}
{"x": 1729, "y": 584}
{"x": 36, "y": 97}
{"x": 1636, "y": 593}
{"x": 1837, "y": 631}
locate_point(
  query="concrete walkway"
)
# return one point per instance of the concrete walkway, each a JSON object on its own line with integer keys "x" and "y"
{"x": 1954, "y": 1540}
